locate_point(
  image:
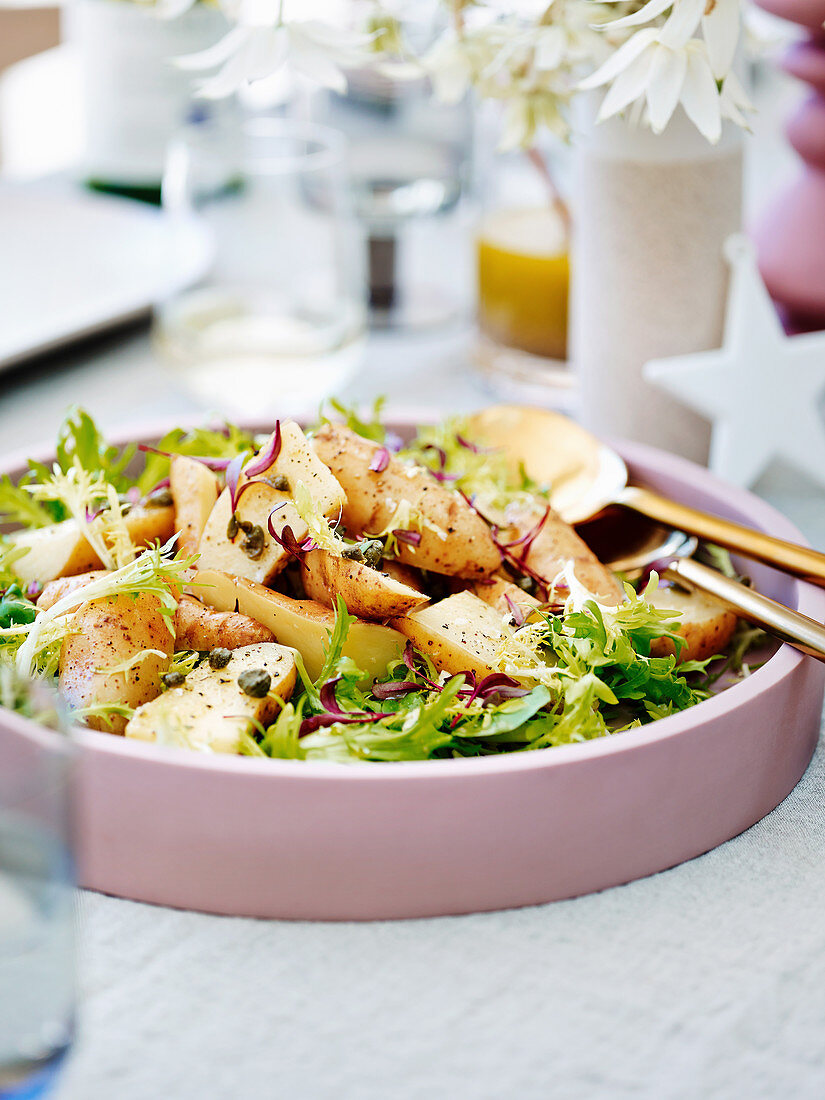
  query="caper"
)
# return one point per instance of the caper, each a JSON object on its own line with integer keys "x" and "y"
{"x": 255, "y": 682}
{"x": 368, "y": 552}
{"x": 245, "y": 525}
{"x": 174, "y": 679}
{"x": 253, "y": 544}
{"x": 373, "y": 551}
{"x": 279, "y": 482}
{"x": 232, "y": 527}
{"x": 159, "y": 498}
{"x": 219, "y": 657}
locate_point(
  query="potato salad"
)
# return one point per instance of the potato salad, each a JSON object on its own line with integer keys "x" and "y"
{"x": 331, "y": 593}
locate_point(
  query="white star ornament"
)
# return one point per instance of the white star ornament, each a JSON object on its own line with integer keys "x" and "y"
{"x": 761, "y": 389}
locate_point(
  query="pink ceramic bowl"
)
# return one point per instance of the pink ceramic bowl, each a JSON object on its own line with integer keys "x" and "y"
{"x": 322, "y": 841}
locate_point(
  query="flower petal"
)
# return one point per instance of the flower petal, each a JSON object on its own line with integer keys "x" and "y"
{"x": 516, "y": 129}
{"x": 720, "y": 27}
{"x": 651, "y": 10}
{"x": 664, "y": 86}
{"x": 733, "y": 100}
{"x": 682, "y": 23}
{"x": 619, "y": 61}
{"x": 627, "y": 86}
{"x": 317, "y": 65}
{"x": 700, "y": 96}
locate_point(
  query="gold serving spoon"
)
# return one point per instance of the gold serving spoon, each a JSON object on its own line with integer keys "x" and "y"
{"x": 585, "y": 477}
{"x": 631, "y": 544}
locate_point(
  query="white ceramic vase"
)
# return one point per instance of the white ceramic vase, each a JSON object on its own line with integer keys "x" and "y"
{"x": 651, "y": 216}
{"x": 134, "y": 96}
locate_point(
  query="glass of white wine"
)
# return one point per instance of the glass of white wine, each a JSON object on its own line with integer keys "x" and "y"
{"x": 279, "y": 321}
{"x": 37, "y": 955}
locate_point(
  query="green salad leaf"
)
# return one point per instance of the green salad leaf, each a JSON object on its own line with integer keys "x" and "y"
{"x": 592, "y": 676}
{"x": 18, "y": 507}
{"x": 370, "y": 427}
{"x": 451, "y": 450}
{"x": 80, "y": 441}
{"x": 226, "y": 441}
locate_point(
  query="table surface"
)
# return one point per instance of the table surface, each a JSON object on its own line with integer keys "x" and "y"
{"x": 704, "y": 981}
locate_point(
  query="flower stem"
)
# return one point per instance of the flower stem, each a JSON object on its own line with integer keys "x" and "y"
{"x": 556, "y": 201}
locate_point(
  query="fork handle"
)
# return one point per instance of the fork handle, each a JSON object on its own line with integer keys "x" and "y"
{"x": 800, "y": 561}
{"x": 797, "y": 630}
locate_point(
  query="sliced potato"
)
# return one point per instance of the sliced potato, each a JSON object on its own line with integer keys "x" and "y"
{"x": 554, "y": 546}
{"x": 194, "y": 490}
{"x": 211, "y": 711}
{"x": 202, "y": 628}
{"x": 457, "y": 634}
{"x": 295, "y": 462}
{"x": 367, "y": 592}
{"x": 57, "y": 589}
{"x": 705, "y": 625}
{"x": 62, "y": 551}
{"x": 496, "y": 591}
{"x": 108, "y": 633}
{"x": 150, "y": 523}
{"x": 404, "y": 574}
{"x": 302, "y": 624}
{"x": 454, "y": 540}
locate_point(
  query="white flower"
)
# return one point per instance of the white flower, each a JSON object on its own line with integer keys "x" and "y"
{"x": 733, "y": 101}
{"x": 450, "y": 69}
{"x": 261, "y": 44}
{"x": 719, "y": 20}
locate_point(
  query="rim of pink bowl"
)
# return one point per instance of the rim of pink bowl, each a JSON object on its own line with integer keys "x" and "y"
{"x": 808, "y": 599}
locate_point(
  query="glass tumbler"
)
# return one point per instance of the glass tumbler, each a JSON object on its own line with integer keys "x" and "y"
{"x": 278, "y": 323}
{"x": 37, "y": 957}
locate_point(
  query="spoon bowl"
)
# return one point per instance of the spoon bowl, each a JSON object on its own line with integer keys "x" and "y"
{"x": 584, "y": 476}
{"x": 629, "y": 543}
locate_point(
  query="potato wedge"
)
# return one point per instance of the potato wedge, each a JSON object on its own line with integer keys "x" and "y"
{"x": 553, "y": 547}
{"x": 150, "y": 523}
{"x": 210, "y": 711}
{"x": 203, "y": 628}
{"x": 108, "y": 633}
{"x": 404, "y": 574}
{"x": 496, "y": 591}
{"x": 296, "y": 462}
{"x": 368, "y": 593}
{"x": 56, "y": 590}
{"x": 62, "y": 551}
{"x": 705, "y": 625}
{"x": 302, "y": 624}
{"x": 457, "y": 634}
{"x": 454, "y": 540}
{"x": 194, "y": 490}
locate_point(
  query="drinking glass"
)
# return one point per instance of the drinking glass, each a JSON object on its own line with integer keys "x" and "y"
{"x": 410, "y": 165}
{"x": 37, "y": 974}
{"x": 523, "y": 277}
{"x": 278, "y": 323}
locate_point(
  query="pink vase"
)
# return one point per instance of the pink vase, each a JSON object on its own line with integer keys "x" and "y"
{"x": 790, "y": 237}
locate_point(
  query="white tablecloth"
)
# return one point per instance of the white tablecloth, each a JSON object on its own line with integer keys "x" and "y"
{"x": 704, "y": 981}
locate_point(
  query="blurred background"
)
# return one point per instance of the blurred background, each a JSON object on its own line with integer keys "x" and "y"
{"x": 256, "y": 252}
